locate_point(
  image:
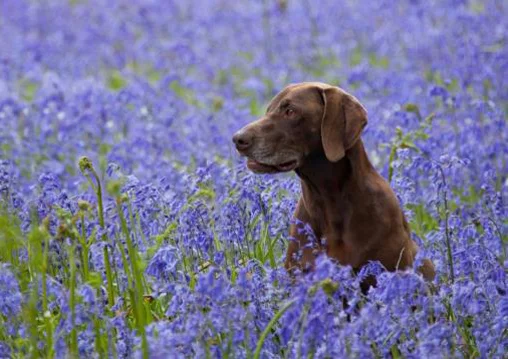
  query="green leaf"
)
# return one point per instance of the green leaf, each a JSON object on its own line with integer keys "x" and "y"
{"x": 116, "y": 81}
{"x": 29, "y": 90}
{"x": 411, "y": 107}
{"x": 409, "y": 144}
{"x": 255, "y": 108}
{"x": 356, "y": 57}
{"x": 271, "y": 324}
{"x": 95, "y": 280}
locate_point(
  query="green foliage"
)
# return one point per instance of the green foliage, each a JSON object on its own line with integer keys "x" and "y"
{"x": 409, "y": 139}
{"x": 116, "y": 81}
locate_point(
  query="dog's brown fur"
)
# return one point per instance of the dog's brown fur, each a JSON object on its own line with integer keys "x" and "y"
{"x": 314, "y": 129}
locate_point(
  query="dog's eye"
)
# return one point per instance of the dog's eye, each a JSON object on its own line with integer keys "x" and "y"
{"x": 289, "y": 111}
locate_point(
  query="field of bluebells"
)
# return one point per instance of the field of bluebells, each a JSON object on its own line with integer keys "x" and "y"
{"x": 129, "y": 227}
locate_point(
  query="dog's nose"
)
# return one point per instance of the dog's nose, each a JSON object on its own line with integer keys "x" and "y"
{"x": 243, "y": 140}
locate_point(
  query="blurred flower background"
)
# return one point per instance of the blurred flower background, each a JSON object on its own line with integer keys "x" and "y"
{"x": 129, "y": 227}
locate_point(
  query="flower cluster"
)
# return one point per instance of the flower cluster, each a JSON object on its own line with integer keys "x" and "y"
{"x": 130, "y": 228}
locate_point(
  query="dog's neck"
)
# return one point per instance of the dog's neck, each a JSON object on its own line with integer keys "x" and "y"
{"x": 327, "y": 179}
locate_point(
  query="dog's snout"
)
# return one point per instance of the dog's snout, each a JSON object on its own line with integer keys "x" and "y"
{"x": 243, "y": 140}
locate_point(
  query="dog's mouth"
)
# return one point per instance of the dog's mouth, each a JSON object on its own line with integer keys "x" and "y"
{"x": 259, "y": 167}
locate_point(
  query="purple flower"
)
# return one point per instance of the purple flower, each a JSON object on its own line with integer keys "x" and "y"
{"x": 164, "y": 263}
{"x": 10, "y": 298}
{"x": 151, "y": 93}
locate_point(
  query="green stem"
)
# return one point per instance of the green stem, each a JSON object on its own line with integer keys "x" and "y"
{"x": 45, "y": 311}
{"x": 99, "y": 199}
{"x": 393, "y": 151}
{"x": 32, "y": 314}
{"x": 107, "y": 262}
{"x": 137, "y": 295}
{"x": 84, "y": 250}
{"x": 87, "y": 167}
{"x": 269, "y": 327}
{"x": 98, "y": 337}
{"x": 72, "y": 303}
{"x": 36, "y": 264}
{"x": 447, "y": 229}
{"x": 109, "y": 277}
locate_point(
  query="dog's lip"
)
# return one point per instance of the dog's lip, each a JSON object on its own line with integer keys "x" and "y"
{"x": 265, "y": 168}
{"x": 287, "y": 166}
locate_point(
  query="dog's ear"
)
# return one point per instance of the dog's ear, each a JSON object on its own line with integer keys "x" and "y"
{"x": 343, "y": 121}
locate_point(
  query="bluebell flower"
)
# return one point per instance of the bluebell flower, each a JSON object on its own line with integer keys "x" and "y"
{"x": 152, "y": 92}
{"x": 163, "y": 263}
{"x": 11, "y": 298}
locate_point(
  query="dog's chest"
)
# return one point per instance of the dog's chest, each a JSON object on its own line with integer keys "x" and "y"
{"x": 330, "y": 220}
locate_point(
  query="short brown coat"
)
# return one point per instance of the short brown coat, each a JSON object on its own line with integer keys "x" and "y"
{"x": 314, "y": 129}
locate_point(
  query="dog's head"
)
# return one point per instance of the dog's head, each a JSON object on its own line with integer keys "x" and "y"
{"x": 303, "y": 119}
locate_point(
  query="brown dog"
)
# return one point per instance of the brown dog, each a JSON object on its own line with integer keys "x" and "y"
{"x": 314, "y": 129}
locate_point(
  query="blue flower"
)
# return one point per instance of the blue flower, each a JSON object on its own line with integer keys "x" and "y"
{"x": 151, "y": 92}
{"x": 11, "y": 298}
{"x": 164, "y": 263}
